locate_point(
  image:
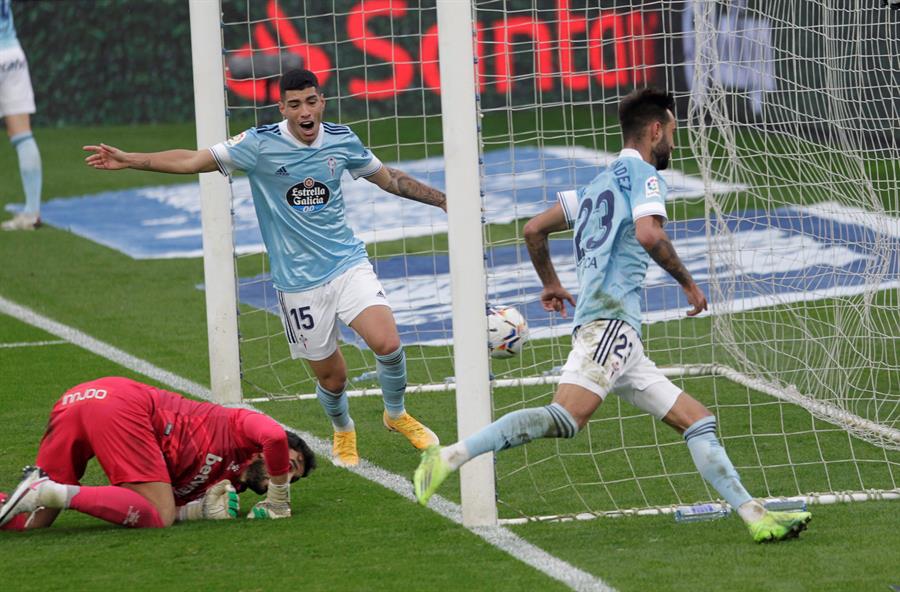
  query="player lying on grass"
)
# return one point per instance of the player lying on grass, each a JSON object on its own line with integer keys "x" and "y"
{"x": 618, "y": 220}
{"x": 167, "y": 458}
{"x": 320, "y": 269}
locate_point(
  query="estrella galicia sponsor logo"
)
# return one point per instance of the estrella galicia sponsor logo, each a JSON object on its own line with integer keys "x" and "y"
{"x": 308, "y": 196}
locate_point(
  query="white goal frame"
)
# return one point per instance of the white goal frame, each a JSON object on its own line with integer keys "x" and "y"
{"x": 473, "y": 403}
{"x": 461, "y": 143}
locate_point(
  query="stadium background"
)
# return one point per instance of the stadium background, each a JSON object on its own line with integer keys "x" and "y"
{"x": 97, "y": 66}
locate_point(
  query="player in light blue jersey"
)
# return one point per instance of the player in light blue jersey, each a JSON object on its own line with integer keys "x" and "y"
{"x": 16, "y": 107}
{"x": 618, "y": 222}
{"x": 321, "y": 271}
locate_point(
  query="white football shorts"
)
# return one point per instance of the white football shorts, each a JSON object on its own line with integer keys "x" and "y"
{"x": 16, "y": 94}
{"x": 608, "y": 356}
{"x": 310, "y": 317}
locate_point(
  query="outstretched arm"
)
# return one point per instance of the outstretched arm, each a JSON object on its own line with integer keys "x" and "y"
{"x": 553, "y": 296}
{"x": 188, "y": 162}
{"x": 399, "y": 183}
{"x": 650, "y": 233}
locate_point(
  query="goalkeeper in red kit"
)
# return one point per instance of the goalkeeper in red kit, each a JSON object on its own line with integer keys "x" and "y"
{"x": 168, "y": 458}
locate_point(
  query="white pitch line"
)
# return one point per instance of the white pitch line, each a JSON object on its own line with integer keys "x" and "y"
{"x": 497, "y": 536}
{"x": 31, "y": 344}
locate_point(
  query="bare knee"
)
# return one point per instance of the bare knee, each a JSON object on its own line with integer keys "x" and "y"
{"x": 331, "y": 372}
{"x": 578, "y": 401}
{"x": 388, "y": 344}
{"x": 166, "y": 515}
{"x": 160, "y": 496}
{"x": 685, "y": 412}
{"x": 333, "y": 381}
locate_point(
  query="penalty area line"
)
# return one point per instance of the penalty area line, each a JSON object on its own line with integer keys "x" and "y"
{"x": 497, "y": 536}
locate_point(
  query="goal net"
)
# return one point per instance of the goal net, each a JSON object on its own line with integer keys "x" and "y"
{"x": 783, "y": 207}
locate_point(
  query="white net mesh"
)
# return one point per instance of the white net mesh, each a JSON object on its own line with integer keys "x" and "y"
{"x": 784, "y": 208}
{"x": 364, "y": 60}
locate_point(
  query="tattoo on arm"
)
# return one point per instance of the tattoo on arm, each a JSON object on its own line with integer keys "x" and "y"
{"x": 405, "y": 186}
{"x": 539, "y": 252}
{"x": 665, "y": 256}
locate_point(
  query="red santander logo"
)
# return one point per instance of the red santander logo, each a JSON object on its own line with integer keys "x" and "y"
{"x": 607, "y": 49}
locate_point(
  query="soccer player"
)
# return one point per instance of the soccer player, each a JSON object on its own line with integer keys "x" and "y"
{"x": 618, "y": 220}
{"x": 321, "y": 271}
{"x": 16, "y": 107}
{"x": 167, "y": 458}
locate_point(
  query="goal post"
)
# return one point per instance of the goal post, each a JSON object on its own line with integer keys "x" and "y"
{"x": 215, "y": 200}
{"x": 783, "y": 206}
{"x": 464, "y": 234}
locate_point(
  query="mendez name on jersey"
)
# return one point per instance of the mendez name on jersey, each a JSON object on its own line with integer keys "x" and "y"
{"x": 297, "y": 195}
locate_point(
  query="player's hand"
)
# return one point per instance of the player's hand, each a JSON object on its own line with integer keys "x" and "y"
{"x": 221, "y": 502}
{"x": 270, "y": 510}
{"x": 696, "y": 298}
{"x": 277, "y": 503}
{"x": 554, "y": 298}
{"x": 106, "y": 157}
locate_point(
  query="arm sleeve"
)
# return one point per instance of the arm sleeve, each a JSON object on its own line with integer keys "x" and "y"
{"x": 648, "y": 197}
{"x": 239, "y": 153}
{"x": 569, "y": 202}
{"x": 268, "y": 435}
{"x": 360, "y": 160}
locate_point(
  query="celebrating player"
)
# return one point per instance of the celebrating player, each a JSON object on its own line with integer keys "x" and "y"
{"x": 619, "y": 220}
{"x": 167, "y": 458}
{"x": 16, "y": 107}
{"x": 320, "y": 269}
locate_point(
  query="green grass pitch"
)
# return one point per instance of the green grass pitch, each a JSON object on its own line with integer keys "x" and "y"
{"x": 347, "y": 533}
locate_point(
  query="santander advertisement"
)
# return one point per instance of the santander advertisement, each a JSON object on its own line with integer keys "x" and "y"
{"x": 376, "y": 50}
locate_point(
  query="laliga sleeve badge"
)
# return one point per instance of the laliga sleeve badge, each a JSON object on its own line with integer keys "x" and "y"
{"x": 236, "y": 139}
{"x": 651, "y": 187}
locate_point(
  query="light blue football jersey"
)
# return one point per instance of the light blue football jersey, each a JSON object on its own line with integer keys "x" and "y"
{"x": 611, "y": 263}
{"x": 297, "y": 195}
{"x": 7, "y": 28}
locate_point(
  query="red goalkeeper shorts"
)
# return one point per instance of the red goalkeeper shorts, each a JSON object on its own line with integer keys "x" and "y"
{"x": 110, "y": 418}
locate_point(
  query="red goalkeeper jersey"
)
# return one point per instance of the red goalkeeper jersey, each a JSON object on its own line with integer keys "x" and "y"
{"x": 140, "y": 433}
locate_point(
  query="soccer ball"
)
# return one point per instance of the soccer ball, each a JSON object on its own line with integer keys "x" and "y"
{"x": 507, "y": 331}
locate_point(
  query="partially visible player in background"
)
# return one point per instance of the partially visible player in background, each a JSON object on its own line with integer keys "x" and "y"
{"x": 16, "y": 107}
{"x": 167, "y": 458}
{"x": 618, "y": 220}
{"x": 319, "y": 267}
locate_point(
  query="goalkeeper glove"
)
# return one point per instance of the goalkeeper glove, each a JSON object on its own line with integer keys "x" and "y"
{"x": 220, "y": 502}
{"x": 277, "y": 503}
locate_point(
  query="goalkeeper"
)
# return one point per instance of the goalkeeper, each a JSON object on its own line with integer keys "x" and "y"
{"x": 167, "y": 458}
{"x": 618, "y": 220}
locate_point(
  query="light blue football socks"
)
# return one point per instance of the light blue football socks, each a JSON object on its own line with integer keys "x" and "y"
{"x": 713, "y": 463}
{"x": 391, "y": 370}
{"x": 511, "y": 430}
{"x": 337, "y": 407}
{"x": 30, "y": 171}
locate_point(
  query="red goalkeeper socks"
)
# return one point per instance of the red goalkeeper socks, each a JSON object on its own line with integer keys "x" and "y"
{"x": 117, "y": 505}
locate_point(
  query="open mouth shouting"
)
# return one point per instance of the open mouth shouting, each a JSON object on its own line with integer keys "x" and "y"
{"x": 307, "y": 129}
